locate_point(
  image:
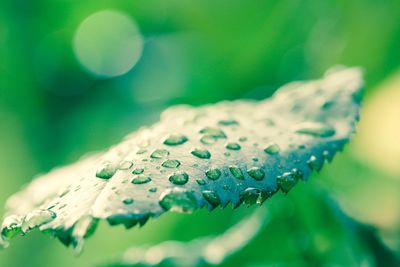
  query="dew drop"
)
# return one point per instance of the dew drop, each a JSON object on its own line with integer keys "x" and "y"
{"x": 316, "y": 129}
{"x": 201, "y": 181}
{"x": 314, "y": 163}
{"x": 153, "y": 189}
{"x": 212, "y": 197}
{"x": 141, "y": 179}
{"x": 242, "y": 139}
{"x": 272, "y": 149}
{"x": 256, "y": 173}
{"x": 171, "y": 163}
{"x": 179, "y": 200}
{"x": 11, "y": 226}
{"x": 288, "y": 179}
{"x": 201, "y": 153}
{"x": 175, "y": 139}
{"x": 236, "y": 172}
{"x": 233, "y": 146}
{"x": 125, "y": 165}
{"x": 213, "y": 174}
{"x": 106, "y": 171}
{"x": 179, "y": 178}
{"x": 215, "y": 133}
{"x": 141, "y": 151}
{"x": 159, "y": 153}
{"x": 127, "y": 201}
{"x": 138, "y": 171}
{"x": 228, "y": 122}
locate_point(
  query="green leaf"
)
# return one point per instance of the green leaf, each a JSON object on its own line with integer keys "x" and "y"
{"x": 230, "y": 152}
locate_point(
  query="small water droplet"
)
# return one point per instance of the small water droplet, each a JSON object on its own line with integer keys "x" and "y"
{"x": 106, "y": 171}
{"x": 125, "y": 165}
{"x": 201, "y": 181}
{"x": 153, "y": 189}
{"x": 227, "y": 154}
{"x": 175, "y": 139}
{"x": 212, "y": 197}
{"x": 141, "y": 179}
{"x": 127, "y": 201}
{"x": 138, "y": 171}
{"x": 243, "y": 139}
{"x": 213, "y": 132}
{"x": 141, "y": 151}
{"x": 179, "y": 178}
{"x": 236, "y": 172}
{"x": 159, "y": 153}
{"x": 272, "y": 149}
{"x": 228, "y": 122}
{"x": 213, "y": 174}
{"x": 316, "y": 129}
{"x": 171, "y": 163}
{"x": 314, "y": 163}
{"x": 179, "y": 200}
{"x": 288, "y": 179}
{"x": 233, "y": 146}
{"x": 250, "y": 196}
{"x": 201, "y": 153}
{"x": 255, "y": 159}
{"x": 256, "y": 173}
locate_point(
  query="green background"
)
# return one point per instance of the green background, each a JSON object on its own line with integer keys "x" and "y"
{"x": 52, "y": 111}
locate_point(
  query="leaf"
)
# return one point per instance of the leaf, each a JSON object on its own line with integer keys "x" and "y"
{"x": 230, "y": 152}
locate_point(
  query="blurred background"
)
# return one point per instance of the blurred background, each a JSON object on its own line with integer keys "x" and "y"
{"x": 77, "y": 76}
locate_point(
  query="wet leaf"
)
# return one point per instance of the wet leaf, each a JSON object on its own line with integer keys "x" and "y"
{"x": 229, "y": 152}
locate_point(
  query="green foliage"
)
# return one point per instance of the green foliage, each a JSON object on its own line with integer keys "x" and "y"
{"x": 230, "y": 152}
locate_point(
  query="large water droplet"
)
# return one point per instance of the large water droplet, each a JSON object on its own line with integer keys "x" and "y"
{"x": 233, "y": 146}
{"x": 37, "y": 218}
{"x": 212, "y": 197}
{"x": 179, "y": 200}
{"x": 236, "y": 172}
{"x": 141, "y": 179}
{"x": 250, "y": 196}
{"x": 106, "y": 171}
{"x": 159, "y": 153}
{"x": 213, "y": 174}
{"x": 272, "y": 149}
{"x": 171, "y": 163}
{"x": 316, "y": 129}
{"x": 201, "y": 153}
{"x": 179, "y": 178}
{"x": 288, "y": 179}
{"x": 256, "y": 173}
{"x": 175, "y": 139}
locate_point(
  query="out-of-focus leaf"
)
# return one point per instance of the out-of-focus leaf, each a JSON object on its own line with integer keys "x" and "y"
{"x": 229, "y": 152}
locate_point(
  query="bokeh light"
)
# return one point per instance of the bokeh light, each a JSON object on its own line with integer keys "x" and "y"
{"x": 108, "y": 43}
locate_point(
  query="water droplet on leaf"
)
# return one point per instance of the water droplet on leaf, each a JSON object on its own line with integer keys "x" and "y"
{"x": 159, "y": 153}
{"x": 171, "y": 163}
{"x": 175, "y": 139}
{"x": 179, "y": 178}
{"x": 201, "y": 153}
{"x": 213, "y": 174}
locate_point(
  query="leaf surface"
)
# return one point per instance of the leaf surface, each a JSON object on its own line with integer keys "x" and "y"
{"x": 231, "y": 152}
